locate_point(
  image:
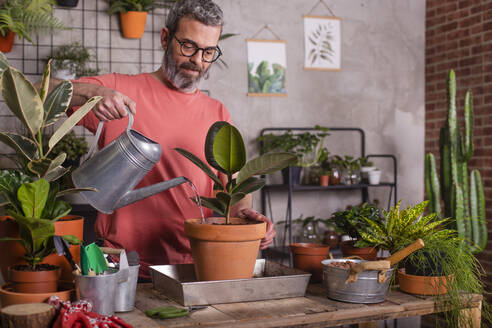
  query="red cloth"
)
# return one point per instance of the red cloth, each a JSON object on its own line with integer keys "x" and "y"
{"x": 154, "y": 227}
{"x": 79, "y": 315}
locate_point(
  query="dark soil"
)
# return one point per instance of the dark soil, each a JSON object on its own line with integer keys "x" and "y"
{"x": 39, "y": 267}
{"x": 342, "y": 265}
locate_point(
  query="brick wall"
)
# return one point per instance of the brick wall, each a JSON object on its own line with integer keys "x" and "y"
{"x": 459, "y": 37}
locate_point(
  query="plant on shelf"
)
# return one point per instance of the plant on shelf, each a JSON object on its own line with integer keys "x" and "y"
{"x": 70, "y": 61}
{"x": 225, "y": 152}
{"x": 351, "y": 167}
{"x": 37, "y": 111}
{"x": 133, "y": 14}
{"x": 464, "y": 200}
{"x": 353, "y": 222}
{"x": 442, "y": 266}
{"x": 311, "y": 227}
{"x": 23, "y": 17}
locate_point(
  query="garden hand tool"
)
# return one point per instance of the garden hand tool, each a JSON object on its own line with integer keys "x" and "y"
{"x": 400, "y": 255}
{"x": 92, "y": 259}
{"x": 117, "y": 168}
{"x": 357, "y": 268}
{"x": 167, "y": 312}
{"x": 62, "y": 248}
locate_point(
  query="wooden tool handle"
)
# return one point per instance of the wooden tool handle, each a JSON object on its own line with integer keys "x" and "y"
{"x": 109, "y": 250}
{"x": 400, "y": 255}
{"x": 373, "y": 265}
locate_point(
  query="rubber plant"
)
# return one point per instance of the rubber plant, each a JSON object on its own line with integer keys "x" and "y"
{"x": 464, "y": 203}
{"x": 225, "y": 152}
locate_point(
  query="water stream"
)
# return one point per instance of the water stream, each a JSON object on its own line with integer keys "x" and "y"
{"x": 197, "y": 198}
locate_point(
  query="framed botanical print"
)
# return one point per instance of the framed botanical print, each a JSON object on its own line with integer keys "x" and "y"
{"x": 322, "y": 43}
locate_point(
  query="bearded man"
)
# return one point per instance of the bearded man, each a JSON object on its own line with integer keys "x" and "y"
{"x": 170, "y": 109}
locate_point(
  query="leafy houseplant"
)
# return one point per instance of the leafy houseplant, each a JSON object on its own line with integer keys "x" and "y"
{"x": 22, "y": 17}
{"x": 37, "y": 111}
{"x": 74, "y": 147}
{"x": 225, "y": 152}
{"x": 133, "y": 14}
{"x": 70, "y": 61}
{"x": 353, "y": 222}
{"x": 464, "y": 200}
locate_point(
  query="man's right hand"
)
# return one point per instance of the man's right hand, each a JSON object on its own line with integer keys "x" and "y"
{"x": 113, "y": 105}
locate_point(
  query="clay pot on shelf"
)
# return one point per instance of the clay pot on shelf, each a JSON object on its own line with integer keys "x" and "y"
{"x": 133, "y": 24}
{"x": 308, "y": 257}
{"x": 366, "y": 253}
{"x": 66, "y": 292}
{"x": 221, "y": 251}
{"x": 34, "y": 282}
{"x": 422, "y": 285}
{"x": 7, "y": 42}
{"x": 324, "y": 180}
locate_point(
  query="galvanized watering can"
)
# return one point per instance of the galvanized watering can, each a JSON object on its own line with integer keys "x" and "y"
{"x": 117, "y": 168}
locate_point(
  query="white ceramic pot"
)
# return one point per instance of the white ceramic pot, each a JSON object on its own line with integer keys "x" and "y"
{"x": 65, "y": 73}
{"x": 374, "y": 176}
{"x": 364, "y": 170}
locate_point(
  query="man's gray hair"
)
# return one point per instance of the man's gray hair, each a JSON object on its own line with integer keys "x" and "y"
{"x": 205, "y": 11}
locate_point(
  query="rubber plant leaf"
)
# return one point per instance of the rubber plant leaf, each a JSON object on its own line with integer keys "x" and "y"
{"x": 265, "y": 164}
{"x": 228, "y": 149}
{"x": 33, "y": 197}
{"x": 198, "y": 162}
{"x": 209, "y": 144}
{"x": 57, "y": 102}
{"x": 56, "y": 173}
{"x": 250, "y": 185}
{"x": 45, "y": 83}
{"x": 23, "y": 100}
{"x": 214, "y": 204}
{"x": 44, "y": 166}
{"x": 22, "y": 145}
{"x": 70, "y": 122}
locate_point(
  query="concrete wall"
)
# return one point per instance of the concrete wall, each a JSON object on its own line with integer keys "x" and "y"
{"x": 379, "y": 89}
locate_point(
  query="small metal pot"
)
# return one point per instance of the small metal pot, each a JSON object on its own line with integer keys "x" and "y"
{"x": 366, "y": 289}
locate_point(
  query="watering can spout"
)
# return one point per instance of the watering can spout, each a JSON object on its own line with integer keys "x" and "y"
{"x": 133, "y": 196}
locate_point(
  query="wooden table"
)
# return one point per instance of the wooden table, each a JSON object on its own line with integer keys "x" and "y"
{"x": 314, "y": 310}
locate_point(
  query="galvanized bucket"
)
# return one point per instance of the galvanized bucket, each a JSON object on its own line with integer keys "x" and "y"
{"x": 366, "y": 289}
{"x": 125, "y": 294}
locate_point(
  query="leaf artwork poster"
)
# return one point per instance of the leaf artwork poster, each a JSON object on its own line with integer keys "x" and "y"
{"x": 267, "y": 62}
{"x": 322, "y": 42}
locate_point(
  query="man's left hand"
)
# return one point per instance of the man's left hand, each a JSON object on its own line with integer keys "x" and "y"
{"x": 254, "y": 215}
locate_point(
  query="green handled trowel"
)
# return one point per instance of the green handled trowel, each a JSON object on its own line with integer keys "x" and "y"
{"x": 92, "y": 260}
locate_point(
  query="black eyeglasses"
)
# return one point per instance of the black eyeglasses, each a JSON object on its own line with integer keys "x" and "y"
{"x": 189, "y": 49}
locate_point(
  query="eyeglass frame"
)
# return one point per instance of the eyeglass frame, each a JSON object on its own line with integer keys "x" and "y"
{"x": 197, "y": 48}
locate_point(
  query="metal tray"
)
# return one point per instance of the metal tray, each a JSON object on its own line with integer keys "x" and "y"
{"x": 271, "y": 280}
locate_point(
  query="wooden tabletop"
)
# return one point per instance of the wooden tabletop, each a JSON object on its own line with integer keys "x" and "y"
{"x": 313, "y": 310}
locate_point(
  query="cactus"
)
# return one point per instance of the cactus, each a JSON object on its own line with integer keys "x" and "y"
{"x": 462, "y": 202}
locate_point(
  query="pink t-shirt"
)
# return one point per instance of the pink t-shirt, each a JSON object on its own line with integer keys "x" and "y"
{"x": 154, "y": 227}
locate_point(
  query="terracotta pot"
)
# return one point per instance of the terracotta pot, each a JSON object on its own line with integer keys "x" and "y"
{"x": 12, "y": 251}
{"x": 324, "y": 180}
{"x": 7, "y": 42}
{"x": 308, "y": 257}
{"x": 66, "y": 292}
{"x": 422, "y": 285}
{"x": 223, "y": 251}
{"x": 34, "y": 282}
{"x": 366, "y": 253}
{"x": 133, "y": 24}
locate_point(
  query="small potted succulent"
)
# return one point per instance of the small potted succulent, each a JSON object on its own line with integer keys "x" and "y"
{"x": 22, "y": 17}
{"x": 37, "y": 111}
{"x": 69, "y": 61}
{"x": 227, "y": 247}
{"x": 133, "y": 14}
{"x": 353, "y": 222}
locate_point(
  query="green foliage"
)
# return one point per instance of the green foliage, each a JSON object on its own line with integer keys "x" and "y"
{"x": 24, "y": 17}
{"x": 36, "y": 111}
{"x": 357, "y": 220}
{"x": 225, "y": 151}
{"x": 35, "y": 210}
{"x": 77, "y": 56}
{"x": 400, "y": 228}
{"x": 116, "y": 6}
{"x": 312, "y": 221}
{"x": 364, "y": 161}
{"x": 321, "y": 40}
{"x": 74, "y": 147}
{"x": 307, "y": 146}
{"x": 464, "y": 201}
{"x": 264, "y": 80}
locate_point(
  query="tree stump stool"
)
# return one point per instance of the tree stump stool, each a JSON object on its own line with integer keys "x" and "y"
{"x": 33, "y": 315}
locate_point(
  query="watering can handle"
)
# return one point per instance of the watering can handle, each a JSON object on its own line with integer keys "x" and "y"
{"x": 99, "y": 130}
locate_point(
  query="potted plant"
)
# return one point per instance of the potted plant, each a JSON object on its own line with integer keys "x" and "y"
{"x": 37, "y": 111}
{"x": 365, "y": 167}
{"x": 307, "y": 146}
{"x": 444, "y": 266}
{"x": 225, "y": 247}
{"x": 70, "y": 61}
{"x": 68, "y": 3}
{"x": 335, "y": 169}
{"x": 133, "y": 14}
{"x": 351, "y": 170}
{"x": 352, "y": 222}
{"x": 22, "y": 17}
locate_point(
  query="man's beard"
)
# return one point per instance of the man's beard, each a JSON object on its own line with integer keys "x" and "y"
{"x": 181, "y": 80}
